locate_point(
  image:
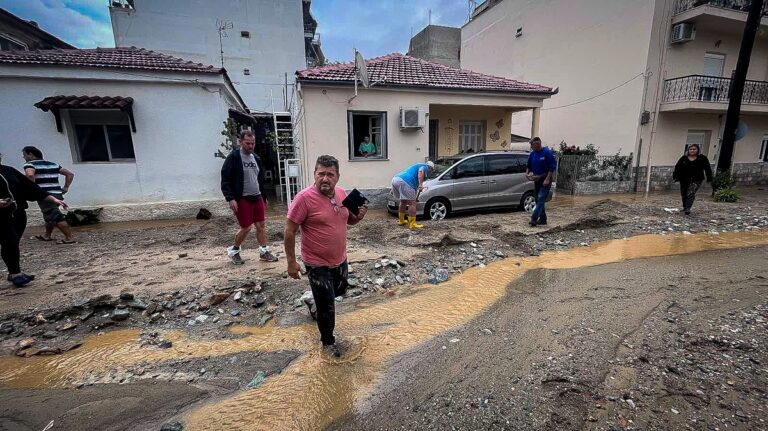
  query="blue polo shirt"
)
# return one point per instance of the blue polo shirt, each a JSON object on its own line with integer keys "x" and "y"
{"x": 542, "y": 161}
{"x": 411, "y": 174}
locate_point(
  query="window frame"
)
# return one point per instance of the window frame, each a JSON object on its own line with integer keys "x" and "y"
{"x": 352, "y": 145}
{"x": 13, "y": 40}
{"x": 72, "y": 124}
{"x": 515, "y": 159}
{"x": 455, "y": 169}
{"x": 704, "y": 146}
{"x": 481, "y": 135}
{"x": 764, "y": 149}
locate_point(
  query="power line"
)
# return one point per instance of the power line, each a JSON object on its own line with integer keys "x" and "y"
{"x": 598, "y": 95}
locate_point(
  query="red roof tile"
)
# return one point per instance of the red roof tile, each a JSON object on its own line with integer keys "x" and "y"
{"x": 84, "y": 102}
{"x": 117, "y": 58}
{"x": 398, "y": 70}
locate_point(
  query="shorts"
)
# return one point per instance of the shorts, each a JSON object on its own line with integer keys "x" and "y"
{"x": 402, "y": 190}
{"x": 51, "y": 213}
{"x": 250, "y": 210}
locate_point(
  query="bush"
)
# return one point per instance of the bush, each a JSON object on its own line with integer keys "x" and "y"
{"x": 723, "y": 180}
{"x": 726, "y": 195}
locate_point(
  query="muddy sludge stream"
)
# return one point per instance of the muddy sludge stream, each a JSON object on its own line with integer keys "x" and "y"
{"x": 313, "y": 390}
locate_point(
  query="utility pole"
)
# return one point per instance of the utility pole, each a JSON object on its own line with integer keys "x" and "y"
{"x": 737, "y": 86}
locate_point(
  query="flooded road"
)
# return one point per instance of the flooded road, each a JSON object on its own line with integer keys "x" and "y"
{"x": 313, "y": 390}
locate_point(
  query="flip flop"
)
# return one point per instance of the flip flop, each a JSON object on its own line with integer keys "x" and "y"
{"x": 64, "y": 241}
{"x": 42, "y": 238}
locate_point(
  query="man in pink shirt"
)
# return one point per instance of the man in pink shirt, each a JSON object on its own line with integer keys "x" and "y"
{"x": 323, "y": 220}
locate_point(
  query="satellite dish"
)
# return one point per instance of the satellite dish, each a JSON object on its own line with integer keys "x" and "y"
{"x": 361, "y": 70}
{"x": 741, "y": 131}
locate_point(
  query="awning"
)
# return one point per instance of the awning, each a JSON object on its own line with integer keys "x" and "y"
{"x": 57, "y": 103}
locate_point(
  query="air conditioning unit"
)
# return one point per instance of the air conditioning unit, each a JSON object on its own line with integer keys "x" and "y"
{"x": 683, "y": 32}
{"x": 412, "y": 118}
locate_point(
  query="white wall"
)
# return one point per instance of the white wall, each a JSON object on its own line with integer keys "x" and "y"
{"x": 583, "y": 47}
{"x": 178, "y": 130}
{"x": 187, "y": 29}
{"x": 323, "y": 127}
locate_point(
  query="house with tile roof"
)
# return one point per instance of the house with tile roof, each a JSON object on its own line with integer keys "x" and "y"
{"x": 138, "y": 128}
{"x": 413, "y": 110}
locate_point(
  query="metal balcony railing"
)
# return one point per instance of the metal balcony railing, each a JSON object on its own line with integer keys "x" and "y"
{"x": 700, "y": 88}
{"x": 739, "y": 5}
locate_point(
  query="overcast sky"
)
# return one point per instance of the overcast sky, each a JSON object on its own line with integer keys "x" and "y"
{"x": 374, "y": 27}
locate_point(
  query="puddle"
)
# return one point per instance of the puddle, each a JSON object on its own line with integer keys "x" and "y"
{"x": 314, "y": 390}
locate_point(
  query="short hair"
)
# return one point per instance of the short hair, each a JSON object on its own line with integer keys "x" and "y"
{"x": 327, "y": 161}
{"x": 245, "y": 133}
{"x": 33, "y": 150}
{"x": 535, "y": 140}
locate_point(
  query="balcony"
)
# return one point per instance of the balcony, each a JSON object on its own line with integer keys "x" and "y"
{"x": 710, "y": 94}
{"x": 727, "y": 16}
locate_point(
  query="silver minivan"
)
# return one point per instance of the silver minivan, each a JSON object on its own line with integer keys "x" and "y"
{"x": 475, "y": 181}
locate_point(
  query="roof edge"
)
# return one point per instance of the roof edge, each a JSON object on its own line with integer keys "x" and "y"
{"x": 321, "y": 83}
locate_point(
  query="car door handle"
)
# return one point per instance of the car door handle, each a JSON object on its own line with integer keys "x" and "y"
{"x": 483, "y": 182}
{"x": 492, "y": 182}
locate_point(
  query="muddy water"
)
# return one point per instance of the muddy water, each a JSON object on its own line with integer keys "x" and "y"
{"x": 314, "y": 389}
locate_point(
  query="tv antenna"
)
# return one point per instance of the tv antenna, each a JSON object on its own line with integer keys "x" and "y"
{"x": 222, "y": 26}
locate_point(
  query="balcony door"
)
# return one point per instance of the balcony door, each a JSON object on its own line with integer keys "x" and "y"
{"x": 715, "y": 88}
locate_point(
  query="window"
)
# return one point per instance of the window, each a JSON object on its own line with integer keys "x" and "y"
{"x": 764, "y": 149}
{"x": 246, "y": 71}
{"x": 474, "y": 167}
{"x": 700, "y": 137}
{"x": 8, "y": 43}
{"x": 101, "y": 136}
{"x": 370, "y": 125}
{"x": 713, "y": 64}
{"x": 245, "y": 34}
{"x": 505, "y": 164}
{"x": 471, "y": 137}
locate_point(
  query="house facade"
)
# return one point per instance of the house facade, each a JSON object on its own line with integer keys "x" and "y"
{"x": 138, "y": 128}
{"x": 646, "y": 77}
{"x": 413, "y": 111}
{"x": 17, "y": 34}
{"x": 261, "y": 43}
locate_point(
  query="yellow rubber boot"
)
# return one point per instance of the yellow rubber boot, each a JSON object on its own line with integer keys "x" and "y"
{"x": 402, "y": 221}
{"x": 412, "y": 223}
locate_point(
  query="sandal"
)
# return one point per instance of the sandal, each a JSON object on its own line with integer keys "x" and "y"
{"x": 42, "y": 238}
{"x": 64, "y": 241}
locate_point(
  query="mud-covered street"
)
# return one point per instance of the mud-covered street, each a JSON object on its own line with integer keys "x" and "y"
{"x": 145, "y": 325}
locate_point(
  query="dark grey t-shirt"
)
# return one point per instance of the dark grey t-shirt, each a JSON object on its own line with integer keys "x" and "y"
{"x": 250, "y": 175}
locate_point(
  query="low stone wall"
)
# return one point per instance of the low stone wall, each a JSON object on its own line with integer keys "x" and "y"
{"x": 602, "y": 187}
{"x": 661, "y": 178}
{"x": 751, "y": 173}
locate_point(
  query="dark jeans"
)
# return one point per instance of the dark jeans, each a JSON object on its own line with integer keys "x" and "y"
{"x": 688, "y": 193}
{"x": 541, "y": 192}
{"x": 327, "y": 283}
{"x": 11, "y": 230}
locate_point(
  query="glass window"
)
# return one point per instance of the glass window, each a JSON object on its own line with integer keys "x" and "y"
{"x": 473, "y": 167}
{"x": 10, "y": 44}
{"x": 505, "y": 164}
{"x": 101, "y": 135}
{"x": 367, "y": 135}
{"x": 764, "y": 149}
{"x": 700, "y": 137}
{"x": 471, "y": 137}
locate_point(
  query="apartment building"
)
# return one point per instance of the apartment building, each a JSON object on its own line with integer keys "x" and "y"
{"x": 647, "y": 77}
{"x": 261, "y": 43}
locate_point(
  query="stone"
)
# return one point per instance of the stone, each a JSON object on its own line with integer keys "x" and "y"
{"x": 497, "y": 253}
{"x": 183, "y": 255}
{"x": 49, "y": 335}
{"x": 151, "y": 308}
{"x": 172, "y": 426}
{"x": 218, "y": 297}
{"x": 6, "y": 329}
{"x": 379, "y": 281}
{"x": 126, "y": 296}
{"x": 353, "y": 282}
{"x": 259, "y": 300}
{"x": 203, "y": 214}
{"x": 487, "y": 331}
{"x": 399, "y": 279}
{"x": 40, "y": 319}
{"x": 630, "y": 403}
{"x": 201, "y": 318}
{"x": 265, "y": 319}
{"x": 120, "y": 315}
{"x": 25, "y": 343}
{"x": 439, "y": 275}
{"x": 137, "y": 305}
{"x": 271, "y": 308}
{"x": 165, "y": 344}
{"x": 235, "y": 312}
{"x": 238, "y": 296}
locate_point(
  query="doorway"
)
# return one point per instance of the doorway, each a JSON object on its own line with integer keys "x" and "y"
{"x": 433, "y": 127}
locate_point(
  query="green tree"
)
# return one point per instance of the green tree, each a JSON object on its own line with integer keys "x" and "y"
{"x": 230, "y": 139}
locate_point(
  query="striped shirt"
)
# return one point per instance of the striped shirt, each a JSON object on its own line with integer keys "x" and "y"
{"x": 46, "y": 175}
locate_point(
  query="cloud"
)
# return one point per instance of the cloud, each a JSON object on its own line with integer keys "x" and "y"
{"x": 379, "y": 27}
{"x": 82, "y": 23}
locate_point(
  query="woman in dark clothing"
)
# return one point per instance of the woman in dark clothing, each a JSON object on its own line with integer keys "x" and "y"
{"x": 15, "y": 190}
{"x": 690, "y": 171}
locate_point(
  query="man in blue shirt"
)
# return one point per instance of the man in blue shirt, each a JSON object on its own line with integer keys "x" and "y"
{"x": 541, "y": 167}
{"x": 406, "y": 187}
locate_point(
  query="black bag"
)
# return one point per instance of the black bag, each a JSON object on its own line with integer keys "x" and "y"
{"x": 354, "y": 201}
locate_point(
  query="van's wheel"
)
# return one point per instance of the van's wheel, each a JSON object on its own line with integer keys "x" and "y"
{"x": 437, "y": 209}
{"x": 528, "y": 202}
